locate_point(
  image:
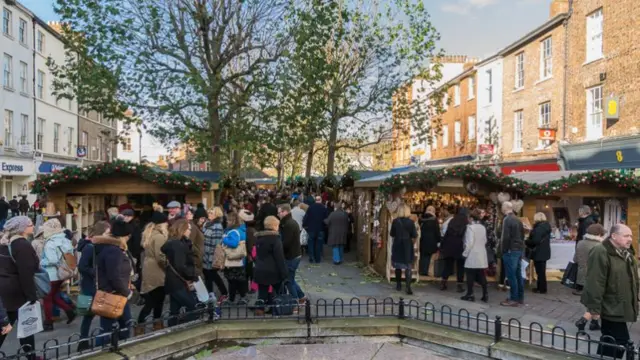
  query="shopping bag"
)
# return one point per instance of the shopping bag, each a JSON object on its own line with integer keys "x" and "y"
{"x": 438, "y": 268}
{"x": 201, "y": 290}
{"x": 284, "y": 302}
{"x": 570, "y": 275}
{"x": 29, "y": 320}
{"x": 524, "y": 264}
{"x": 304, "y": 237}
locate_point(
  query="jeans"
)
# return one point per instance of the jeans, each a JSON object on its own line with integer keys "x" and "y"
{"x": 338, "y": 253}
{"x": 179, "y": 299}
{"x": 292, "y": 285}
{"x": 28, "y": 343}
{"x": 52, "y": 297}
{"x": 2, "y": 222}
{"x": 153, "y": 300}
{"x": 106, "y": 326}
{"x": 425, "y": 262}
{"x": 315, "y": 244}
{"x": 513, "y": 270}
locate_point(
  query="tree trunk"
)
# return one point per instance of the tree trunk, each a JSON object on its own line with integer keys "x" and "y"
{"x": 331, "y": 150}
{"x": 307, "y": 173}
{"x": 280, "y": 168}
{"x": 216, "y": 134}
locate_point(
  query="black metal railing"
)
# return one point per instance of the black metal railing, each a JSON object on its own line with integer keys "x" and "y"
{"x": 557, "y": 338}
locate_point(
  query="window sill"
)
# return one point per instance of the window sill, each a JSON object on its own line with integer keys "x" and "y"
{"x": 517, "y": 151}
{"x": 518, "y": 90}
{"x": 543, "y": 80}
{"x": 8, "y": 88}
{"x": 456, "y": 105}
{"x": 539, "y": 148}
{"x": 25, "y": 45}
{"x": 8, "y": 36}
{"x": 471, "y": 98}
{"x": 588, "y": 62}
{"x": 24, "y": 94}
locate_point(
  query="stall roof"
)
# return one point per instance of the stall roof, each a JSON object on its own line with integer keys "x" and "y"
{"x": 213, "y": 176}
{"x": 542, "y": 177}
{"x": 378, "y": 179}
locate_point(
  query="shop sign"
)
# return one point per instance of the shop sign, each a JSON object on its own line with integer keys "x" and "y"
{"x": 81, "y": 151}
{"x": 48, "y": 167}
{"x": 613, "y": 111}
{"x": 485, "y": 149}
{"x": 507, "y": 170}
{"x": 19, "y": 168}
{"x": 547, "y": 134}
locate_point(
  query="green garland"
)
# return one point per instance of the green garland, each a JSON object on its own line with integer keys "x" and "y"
{"x": 229, "y": 182}
{"x": 329, "y": 182}
{"x": 430, "y": 178}
{"x": 349, "y": 179}
{"x": 76, "y": 174}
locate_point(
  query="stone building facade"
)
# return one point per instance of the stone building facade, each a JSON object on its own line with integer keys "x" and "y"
{"x": 99, "y": 137}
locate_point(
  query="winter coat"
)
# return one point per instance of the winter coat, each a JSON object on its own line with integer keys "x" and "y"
{"x": 232, "y": 239}
{"x": 475, "y": 251}
{"x": 611, "y": 287}
{"x": 583, "y": 225}
{"x": 134, "y": 244}
{"x": 269, "y": 267}
{"x": 452, "y": 244}
{"x": 581, "y": 256}
{"x": 213, "y": 233}
{"x": 313, "y": 220}
{"x": 52, "y": 256}
{"x": 197, "y": 239}
{"x": 290, "y": 233}
{"x": 298, "y": 215}
{"x": 403, "y": 231}
{"x": 512, "y": 234}
{"x": 114, "y": 265}
{"x": 430, "y": 235}
{"x": 16, "y": 275}
{"x": 13, "y": 204}
{"x": 251, "y": 238}
{"x": 23, "y": 205}
{"x": 180, "y": 266}
{"x": 539, "y": 241}
{"x": 338, "y": 226}
{"x": 267, "y": 209}
{"x": 4, "y": 210}
{"x": 86, "y": 267}
{"x": 155, "y": 261}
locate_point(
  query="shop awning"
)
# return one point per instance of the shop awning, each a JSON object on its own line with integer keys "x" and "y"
{"x": 376, "y": 180}
{"x": 611, "y": 153}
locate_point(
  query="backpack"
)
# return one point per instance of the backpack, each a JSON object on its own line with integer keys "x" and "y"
{"x": 67, "y": 266}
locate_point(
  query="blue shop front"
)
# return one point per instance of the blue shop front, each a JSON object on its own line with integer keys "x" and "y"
{"x": 619, "y": 153}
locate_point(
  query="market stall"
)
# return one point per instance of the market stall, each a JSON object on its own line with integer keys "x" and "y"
{"x": 78, "y": 193}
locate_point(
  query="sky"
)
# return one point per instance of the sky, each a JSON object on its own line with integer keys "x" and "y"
{"x": 477, "y": 28}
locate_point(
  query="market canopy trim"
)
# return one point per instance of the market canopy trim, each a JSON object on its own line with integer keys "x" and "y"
{"x": 72, "y": 175}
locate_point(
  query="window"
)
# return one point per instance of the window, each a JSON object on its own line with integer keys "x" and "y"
{"x": 40, "y": 42}
{"x": 69, "y": 104}
{"x": 7, "y": 67}
{"x": 546, "y": 63}
{"x": 22, "y": 32}
{"x": 24, "y": 75}
{"x": 457, "y": 129}
{"x": 456, "y": 98}
{"x": 40, "y": 134}
{"x": 519, "y": 71}
{"x": 40, "y": 85}
{"x": 24, "y": 129}
{"x": 69, "y": 140}
{"x": 56, "y": 137}
{"x": 445, "y": 135}
{"x": 545, "y": 115}
{"x": 8, "y": 126}
{"x": 207, "y": 166}
{"x": 517, "y": 131}
{"x": 126, "y": 144}
{"x": 7, "y": 21}
{"x": 434, "y": 140}
{"x": 594, "y": 36}
{"x": 472, "y": 88}
{"x": 490, "y": 86}
{"x": 594, "y": 113}
{"x": 195, "y": 166}
{"x": 99, "y": 146}
{"x": 472, "y": 127}
{"x": 84, "y": 140}
{"x": 445, "y": 101}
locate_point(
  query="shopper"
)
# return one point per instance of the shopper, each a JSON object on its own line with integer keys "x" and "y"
{"x": 155, "y": 235}
{"x": 250, "y": 225}
{"x": 134, "y": 245}
{"x": 430, "y": 238}
{"x": 270, "y": 266}
{"x": 234, "y": 242}
{"x": 268, "y": 208}
{"x": 585, "y": 219}
{"x": 512, "y": 246}
{"x": 197, "y": 240}
{"x": 313, "y": 223}
{"x": 290, "y": 234}
{"x": 4, "y": 212}
{"x": 539, "y": 244}
{"x": 15, "y": 206}
{"x": 180, "y": 272}
{"x": 338, "y": 228}
{"x": 175, "y": 211}
{"x": 23, "y": 205}
{"x": 56, "y": 245}
{"x": 593, "y": 237}
{"x": 18, "y": 265}
{"x": 475, "y": 254}
{"x": 213, "y": 234}
{"x": 452, "y": 247}
{"x": 611, "y": 288}
{"x": 404, "y": 233}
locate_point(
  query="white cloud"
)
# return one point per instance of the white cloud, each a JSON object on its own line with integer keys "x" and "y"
{"x": 463, "y": 7}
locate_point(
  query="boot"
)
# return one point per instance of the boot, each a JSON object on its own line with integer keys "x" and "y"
{"x": 158, "y": 325}
{"x": 408, "y": 279}
{"x": 443, "y": 285}
{"x": 83, "y": 346}
{"x": 398, "y": 279}
{"x": 71, "y": 315}
{"x": 468, "y": 298}
{"x": 460, "y": 287}
{"x": 138, "y": 331}
{"x": 47, "y": 326}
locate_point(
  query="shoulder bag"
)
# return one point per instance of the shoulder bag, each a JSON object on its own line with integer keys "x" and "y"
{"x": 104, "y": 304}
{"x": 219, "y": 257}
{"x": 188, "y": 287}
{"x": 40, "y": 279}
{"x": 238, "y": 252}
{"x": 67, "y": 265}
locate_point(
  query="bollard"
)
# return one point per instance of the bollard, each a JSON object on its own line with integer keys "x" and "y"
{"x": 307, "y": 311}
{"x": 498, "y": 329}
{"x": 401, "y": 309}
{"x": 115, "y": 337}
{"x": 630, "y": 350}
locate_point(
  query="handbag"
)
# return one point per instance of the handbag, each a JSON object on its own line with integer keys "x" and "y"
{"x": 438, "y": 268}
{"x": 285, "y": 303}
{"x": 67, "y": 266}
{"x": 40, "y": 279}
{"x": 237, "y": 253}
{"x": 83, "y": 304}
{"x": 219, "y": 257}
{"x": 570, "y": 275}
{"x": 104, "y": 304}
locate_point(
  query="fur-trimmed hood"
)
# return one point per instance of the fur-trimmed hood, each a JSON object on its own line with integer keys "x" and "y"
{"x": 593, "y": 237}
{"x": 267, "y": 233}
{"x": 110, "y": 240}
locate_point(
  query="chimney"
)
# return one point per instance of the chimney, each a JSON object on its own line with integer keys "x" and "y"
{"x": 558, "y": 7}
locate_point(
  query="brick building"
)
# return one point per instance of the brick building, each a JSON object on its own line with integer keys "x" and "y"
{"x": 533, "y": 96}
{"x": 603, "y": 86}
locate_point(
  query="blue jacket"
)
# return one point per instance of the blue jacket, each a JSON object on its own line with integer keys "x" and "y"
{"x": 86, "y": 268}
{"x": 314, "y": 218}
{"x": 232, "y": 238}
{"x": 52, "y": 255}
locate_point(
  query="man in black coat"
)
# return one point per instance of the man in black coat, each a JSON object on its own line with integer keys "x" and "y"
{"x": 135, "y": 242}
{"x": 430, "y": 238}
{"x": 290, "y": 234}
{"x": 267, "y": 209}
{"x": 15, "y": 206}
{"x": 313, "y": 222}
{"x": 4, "y": 212}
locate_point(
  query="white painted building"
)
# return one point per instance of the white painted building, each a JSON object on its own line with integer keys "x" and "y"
{"x": 130, "y": 142}
{"x": 489, "y": 101}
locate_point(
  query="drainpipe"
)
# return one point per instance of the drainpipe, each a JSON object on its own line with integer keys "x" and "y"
{"x": 566, "y": 70}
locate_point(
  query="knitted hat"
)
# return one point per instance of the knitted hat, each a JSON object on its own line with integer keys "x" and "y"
{"x": 158, "y": 218}
{"x": 245, "y": 215}
{"x": 17, "y": 224}
{"x": 51, "y": 227}
{"x": 120, "y": 228}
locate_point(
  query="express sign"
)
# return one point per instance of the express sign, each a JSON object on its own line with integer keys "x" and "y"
{"x": 16, "y": 168}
